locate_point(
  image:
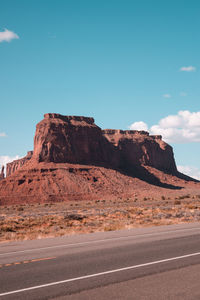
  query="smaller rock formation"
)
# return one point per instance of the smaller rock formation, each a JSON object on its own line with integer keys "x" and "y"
{"x": 2, "y": 176}
{"x": 137, "y": 148}
{"x": 18, "y": 163}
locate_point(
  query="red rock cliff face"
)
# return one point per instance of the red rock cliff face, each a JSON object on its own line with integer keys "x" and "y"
{"x": 17, "y": 164}
{"x": 73, "y": 159}
{"x": 61, "y": 139}
{"x": 73, "y": 139}
{"x": 139, "y": 148}
{"x": 2, "y": 173}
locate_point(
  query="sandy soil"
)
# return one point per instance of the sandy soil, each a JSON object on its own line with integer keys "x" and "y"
{"x": 31, "y": 221}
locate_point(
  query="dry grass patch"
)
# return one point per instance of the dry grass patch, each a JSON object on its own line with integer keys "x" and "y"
{"x": 32, "y": 221}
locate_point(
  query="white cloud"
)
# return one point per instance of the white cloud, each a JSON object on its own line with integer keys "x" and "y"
{"x": 2, "y": 134}
{"x": 139, "y": 126}
{"x": 184, "y": 127}
{"x": 4, "y": 159}
{"x": 181, "y": 128}
{"x": 167, "y": 96}
{"x": 188, "y": 69}
{"x": 7, "y": 36}
{"x": 191, "y": 171}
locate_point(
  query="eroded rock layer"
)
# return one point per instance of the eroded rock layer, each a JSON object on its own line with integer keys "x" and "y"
{"x": 18, "y": 163}
{"x": 139, "y": 148}
{"x": 72, "y": 139}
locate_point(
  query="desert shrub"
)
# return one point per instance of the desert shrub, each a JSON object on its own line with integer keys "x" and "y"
{"x": 20, "y": 208}
{"x": 184, "y": 197}
{"x": 192, "y": 206}
{"x": 7, "y": 229}
{"x": 75, "y": 217}
{"x": 112, "y": 227}
{"x": 177, "y": 202}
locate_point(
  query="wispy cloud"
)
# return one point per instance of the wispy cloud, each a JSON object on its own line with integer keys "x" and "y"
{"x": 2, "y": 134}
{"x": 188, "y": 69}
{"x": 184, "y": 127}
{"x": 7, "y": 36}
{"x": 167, "y": 95}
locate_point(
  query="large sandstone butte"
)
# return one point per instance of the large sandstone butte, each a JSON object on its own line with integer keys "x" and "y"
{"x": 74, "y": 159}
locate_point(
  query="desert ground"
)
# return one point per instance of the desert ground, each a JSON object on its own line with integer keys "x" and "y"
{"x": 40, "y": 220}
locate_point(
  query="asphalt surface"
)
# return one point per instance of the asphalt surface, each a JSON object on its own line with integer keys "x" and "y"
{"x": 146, "y": 263}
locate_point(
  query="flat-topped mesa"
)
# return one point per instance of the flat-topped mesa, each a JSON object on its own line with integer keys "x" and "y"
{"x": 72, "y": 139}
{"x": 77, "y": 139}
{"x": 73, "y": 159}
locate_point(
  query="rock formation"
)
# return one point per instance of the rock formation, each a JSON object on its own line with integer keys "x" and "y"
{"x": 17, "y": 164}
{"x": 2, "y": 173}
{"x": 138, "y": 148}
{"x": 71, "y": 139}
{"x": 74, "y": 159}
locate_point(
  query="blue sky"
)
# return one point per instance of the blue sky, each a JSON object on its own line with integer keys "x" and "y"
{"x": 121, "y": 62}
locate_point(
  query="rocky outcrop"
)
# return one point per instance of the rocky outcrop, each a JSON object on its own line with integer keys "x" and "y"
{"x": 62, "y": 139}
{"x": 17, "y": 164}
{"x": 74, "y": 159}
{"x": 71, "y": 139}
{"x": 74, "y": 139}
{"x": 138, "y": 148}
{"x": 2, "y": 173}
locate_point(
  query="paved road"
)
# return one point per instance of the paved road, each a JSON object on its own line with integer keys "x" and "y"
{"x": 146, "y": 263}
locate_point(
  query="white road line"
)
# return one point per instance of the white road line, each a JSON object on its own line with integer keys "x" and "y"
{"x": 99, "y": 274}
{"x": 99, "y": 241}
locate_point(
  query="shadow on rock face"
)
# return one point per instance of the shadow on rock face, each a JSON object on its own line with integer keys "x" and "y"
{"x": 185, "y": 177}
{"x": 142, "y": 173}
